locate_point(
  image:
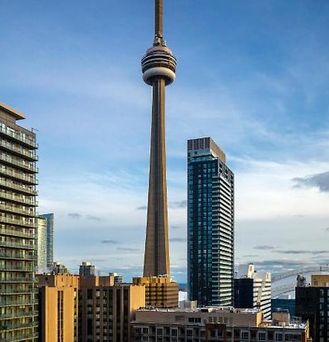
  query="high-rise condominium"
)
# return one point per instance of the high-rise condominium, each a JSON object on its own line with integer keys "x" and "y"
{"x": 18, "y": 307}
{"x": 50, "y": 238}
{"x": 45, "y": 237}
{"x": 210, "y": 224}
{"x": 42, "y": 244}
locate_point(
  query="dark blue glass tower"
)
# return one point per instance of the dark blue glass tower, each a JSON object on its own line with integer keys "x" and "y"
{"x": 210, "y": 224}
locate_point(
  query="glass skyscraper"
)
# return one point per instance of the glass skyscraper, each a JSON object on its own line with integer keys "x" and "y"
{"x": 49, "y": 239}
{"x": 210, "y": 224}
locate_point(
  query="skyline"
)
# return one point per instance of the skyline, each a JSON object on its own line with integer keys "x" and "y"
{"x": 261, "y": 94}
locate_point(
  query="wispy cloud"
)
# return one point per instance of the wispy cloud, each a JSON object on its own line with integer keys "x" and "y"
{"x": 93, "y": 218}
{"x": 110, "y": 242}
{"x": 264, "y": 247}
{"x": 74, "y": 215}
{"x": 178, "y": 240}
{"x": 319, "y": 181}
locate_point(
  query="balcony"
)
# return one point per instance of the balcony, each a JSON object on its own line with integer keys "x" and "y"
{"x": 18, "y": 163}
{"x": 18, "y": 187}
{"x": 18, "y": 199}
{"x": 17, "y": 281}
{"x": 10, "y": 327}
{"x": 28, "y": 154}
{"x": 12, "y": 209}
{"x": 16, "y": 245}
{"x": 16, "y": 303}
{"x": 15, "y": 292}
{"x": 18, "y": 315}
{"x": 17, "y": 222}
{"x": 20, "y": 269}
{"x": 18, "y": 136}
{"x": 12, "y": 232}
{"x": 17, "y": 257}
{"x": 29, "y": 179}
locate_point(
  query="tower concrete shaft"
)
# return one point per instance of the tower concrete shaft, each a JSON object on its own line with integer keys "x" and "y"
{"x": 158, "y": 66}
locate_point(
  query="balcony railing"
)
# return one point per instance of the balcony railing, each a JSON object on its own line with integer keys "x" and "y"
{"x": 9, "y": 327}
{"x": 15, "y": 269}
{"x": 18, "y": 163}
{"x": 17, "y": 257}
{"x": 17, "y": 281}
{"x": 13, "y": 232}
{"x": 31, "y": 155}
{"x": 18, "y": 136}
{"x": 17, "y": 175}
{"x": 17, "y": 315}
{"x": 16, "y": 303}
{"x": 16, "y": 245}
{"x": 18, "y": 187}
{"x": 17, "y": 222}
{"x": 13, "y": 209}
{"x": 16, "y": 291}
{"x": 18, "y": 199}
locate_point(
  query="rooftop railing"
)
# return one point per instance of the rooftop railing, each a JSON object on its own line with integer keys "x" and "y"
{"x": 19, "y": 136}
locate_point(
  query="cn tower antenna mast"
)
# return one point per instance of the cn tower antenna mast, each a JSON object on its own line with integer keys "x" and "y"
{"x": 159, "y": 70}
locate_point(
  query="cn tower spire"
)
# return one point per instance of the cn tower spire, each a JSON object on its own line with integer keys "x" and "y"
{"x": 158, "y": 67}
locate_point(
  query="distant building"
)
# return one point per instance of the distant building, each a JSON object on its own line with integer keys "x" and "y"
{"x": 253, "y": 290}
{"x": 42, "y": 244}
{"x": 160, "y": 292}
{"x": 58, "y": 268}
{"x": 87, "y": 269}
{"x": 284, "y": 304}
{"x": 50, "y": 238}
{"x": 117, "y": 278}
{"x": 210, "y": 224}
{"x": 215, "y": 324}
{"x": 312, "y": 303}
{"x": 58, "y": 307}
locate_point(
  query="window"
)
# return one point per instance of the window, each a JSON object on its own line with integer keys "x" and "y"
{"x": 261, "y": 336}
{"x": 278, "y": 337}
{"x": 245, "y": 335}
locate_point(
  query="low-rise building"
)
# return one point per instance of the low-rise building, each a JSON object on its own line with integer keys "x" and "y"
{"x": 215, "y": 324}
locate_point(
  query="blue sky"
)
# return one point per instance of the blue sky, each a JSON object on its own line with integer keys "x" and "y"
{"x": 252, "y": 74}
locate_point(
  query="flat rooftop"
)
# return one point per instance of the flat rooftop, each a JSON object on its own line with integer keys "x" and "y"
{"x": 13, "y": 112}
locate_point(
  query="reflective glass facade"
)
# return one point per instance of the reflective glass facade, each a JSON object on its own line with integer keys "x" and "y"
{"x": 210, "y": 224}
{"x": 50, "y": 238}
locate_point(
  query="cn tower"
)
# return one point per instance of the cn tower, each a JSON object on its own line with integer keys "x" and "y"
{"x": 159, "y": 67}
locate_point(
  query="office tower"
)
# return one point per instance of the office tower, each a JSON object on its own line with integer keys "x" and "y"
{"x": 58, "y": 307}
{"x": 253, "y": 290}
{"x": 312, "y": 303}
{"x": 86, "y": 269}
{"x": 160, "y": 292}
{"x": 18, "y": 306}
{"x": 215, "y": 324}
{"x": 42, "y": 244}
{"x": 210, "y": 224}
{"x": 50, "y": 238}
{"x": 158, "y": 66}
{"x": 106, "y": 310}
